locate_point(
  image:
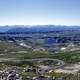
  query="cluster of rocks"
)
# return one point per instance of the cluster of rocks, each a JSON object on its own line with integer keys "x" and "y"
{"x": 39, "y": 71}
{"x": 12, "y": 75}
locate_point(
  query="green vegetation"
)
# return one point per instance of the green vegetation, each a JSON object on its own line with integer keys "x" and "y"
{"x": 27, "y": 75}
{"x": 37, "y": 54}
{"x": 70, "y": 57}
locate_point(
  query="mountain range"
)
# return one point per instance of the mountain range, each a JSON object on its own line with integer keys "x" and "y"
{"x": 37, "y": 28}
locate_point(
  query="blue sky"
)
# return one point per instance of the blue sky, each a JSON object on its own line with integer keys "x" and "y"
{"x": 39, "y": 12}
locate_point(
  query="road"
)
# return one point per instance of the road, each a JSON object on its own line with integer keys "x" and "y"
{"x": 59, "y": 64}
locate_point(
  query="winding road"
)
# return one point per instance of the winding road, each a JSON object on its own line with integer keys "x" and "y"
{"x": 59, "y": 64}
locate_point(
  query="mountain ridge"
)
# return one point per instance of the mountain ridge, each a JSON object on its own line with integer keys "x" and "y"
{"x": 36, "y": 28}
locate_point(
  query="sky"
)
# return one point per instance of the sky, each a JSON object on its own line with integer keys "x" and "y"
{"x": 40, "y": 12}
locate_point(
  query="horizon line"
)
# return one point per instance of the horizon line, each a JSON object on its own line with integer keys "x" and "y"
{"x": 37, "y": 25}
